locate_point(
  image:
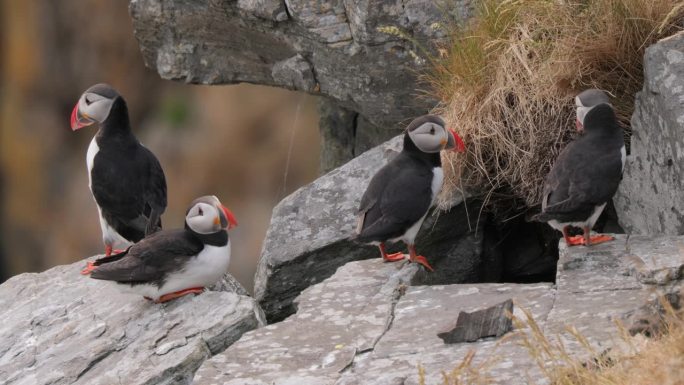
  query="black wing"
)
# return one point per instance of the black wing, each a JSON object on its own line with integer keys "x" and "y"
{"x": 131, "y": 191}
{"x": 155, "y": 193}
{"x": 583, "y": 177}
{"x": 151, "y": 259}
{"x": 396, "y": 198}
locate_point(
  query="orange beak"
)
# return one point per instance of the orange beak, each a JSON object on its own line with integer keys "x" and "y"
{"x": 78, "y": 120}
{"x": 231, "y": 218}
{"x": 460, "y": 147}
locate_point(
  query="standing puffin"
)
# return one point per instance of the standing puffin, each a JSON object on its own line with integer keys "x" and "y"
{"x": 401, "y": 193}
{"x": 172, "y": 263}
{"x": 587, "y": 172}
{"x": 125, "y": 178}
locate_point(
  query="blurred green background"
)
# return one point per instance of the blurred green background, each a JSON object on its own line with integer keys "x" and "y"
{"x": 231, "y": 141}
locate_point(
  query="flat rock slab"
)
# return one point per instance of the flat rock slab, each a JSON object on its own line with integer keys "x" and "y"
{"x": 59, "y": 327}
{"x": 366, "y": 326}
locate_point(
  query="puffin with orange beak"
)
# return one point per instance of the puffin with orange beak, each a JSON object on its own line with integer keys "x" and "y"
{"x": 587, "y": 172}
{"x": 172, "y": 263}
{"x": 400, "y": 194}
{"x": 125, "y": 178}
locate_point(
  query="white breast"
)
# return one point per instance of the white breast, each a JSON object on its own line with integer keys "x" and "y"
{"x": 623, "y": 153}
{"x": 93, "y": 149}
{"x": 204, "y": 270}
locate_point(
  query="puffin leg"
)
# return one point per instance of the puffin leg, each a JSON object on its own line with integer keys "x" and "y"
{"x": 390, "y": 257}
{"x": 178, "y": 294}
{"x": 572, "y": 241}
{"x": 414, "y": 257}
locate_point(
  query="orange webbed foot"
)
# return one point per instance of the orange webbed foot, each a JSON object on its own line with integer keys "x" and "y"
{"x": 577, "y": 240}
{"x": 396, "y": 257}
{"x": 601, "y": 238}
{"x": 178, "y": 294}
{"x": 90, "y": 267}
{"x": 421, "y": 260}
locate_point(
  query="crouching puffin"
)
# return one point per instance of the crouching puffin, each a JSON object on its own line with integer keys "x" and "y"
{"x": 401, "y": 193}
{"x": 172, "y": 263}
{"x": 125, "y": 178}
{"x": 587, "y": 172}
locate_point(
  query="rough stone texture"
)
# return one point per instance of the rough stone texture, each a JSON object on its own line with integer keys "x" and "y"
{"x": 308, "y": 238}
{"x": 364, "y": 325}
{"x": 59, "y": 327}
{"x": 346, "y": 134}
{"x": 360, "y": 67}
{"x": 650, "y": 199}
{"x": 493, "y": 321}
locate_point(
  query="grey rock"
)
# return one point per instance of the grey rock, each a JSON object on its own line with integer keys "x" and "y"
{"x": 308, "y": 238}
{"x": 367, "y": 325}
{"x": 354, "y": 326}
{"x": 650, "y": 199}
{"x": 354, "y": 62}
{"x": 346, "y": 134}
{"x": 60, "y": 327}
{"x": 494, "y": 321}
{"x": 266, "y": 9}
{"x": 295, "y": 73}
{"x": 336, "y": 125}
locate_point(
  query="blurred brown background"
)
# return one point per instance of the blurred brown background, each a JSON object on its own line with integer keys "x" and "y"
{"x": 231, "y": 141}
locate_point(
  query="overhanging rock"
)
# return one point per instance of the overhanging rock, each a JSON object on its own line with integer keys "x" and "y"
{"x": 59, "y": 327}
{"x": 337, "y": 46}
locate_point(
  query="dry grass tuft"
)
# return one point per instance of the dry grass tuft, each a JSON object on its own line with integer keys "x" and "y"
{"x": 507, "y": 81}
{"x": 636, "y": 360}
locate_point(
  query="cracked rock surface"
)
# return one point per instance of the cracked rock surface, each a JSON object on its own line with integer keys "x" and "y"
{"x": 367, "y": 325}
{"x": 334, "y": 48}
{"x": 59, "y": 327}
{"x": 650, "y": 199}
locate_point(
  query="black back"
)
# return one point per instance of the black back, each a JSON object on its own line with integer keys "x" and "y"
{"x": 398, "y": 195}
{"x": 151, "y": 260}
{"x": 127, "y": 180}
{"x": 587, "y": 172}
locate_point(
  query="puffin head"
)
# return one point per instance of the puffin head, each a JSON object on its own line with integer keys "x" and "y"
{"x": 93, "y": 106}
{"x": 207, "y": 215}
{"x": 585, "y": 101}
{"x": 429, "y": 134}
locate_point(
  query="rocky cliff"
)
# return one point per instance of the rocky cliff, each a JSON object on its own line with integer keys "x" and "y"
{"x": 62, "y": 328}
{"x": 651, "y": 195}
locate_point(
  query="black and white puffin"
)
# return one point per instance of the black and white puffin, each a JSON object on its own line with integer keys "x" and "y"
{"x": 587, "y": 172}
{"x": 401, "y": 193}
{"x": 125, "y": 178}
{"x": 172, "y": 263}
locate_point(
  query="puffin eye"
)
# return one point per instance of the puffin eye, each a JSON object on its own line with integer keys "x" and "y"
{"x": 432, "y": 130}
{"x": 200, "y": 212}
{"x": 88, "y": 101}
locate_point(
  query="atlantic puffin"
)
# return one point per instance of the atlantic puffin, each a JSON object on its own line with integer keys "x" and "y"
{"x": 587, "y": 172}
{"x": 400, "y": 194}
{"x": 125, "y": 178}
{"x": 172, "y": 263}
